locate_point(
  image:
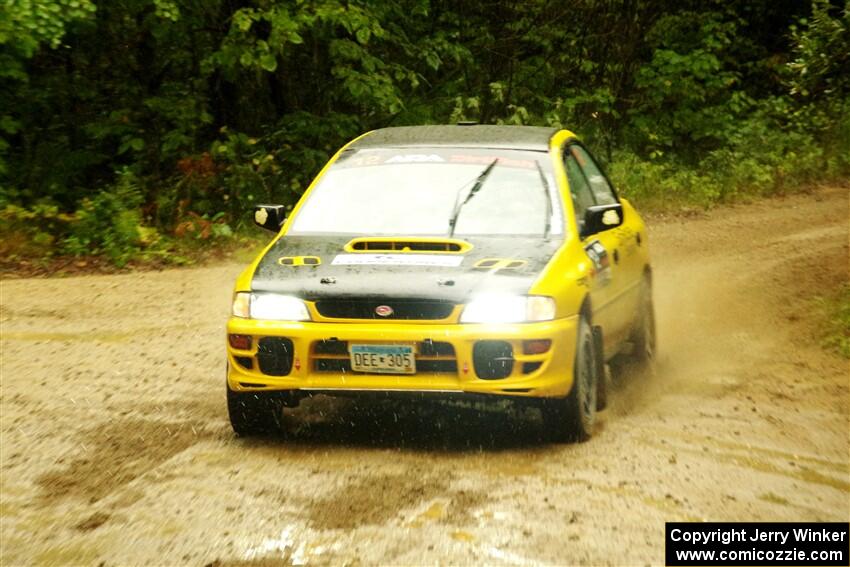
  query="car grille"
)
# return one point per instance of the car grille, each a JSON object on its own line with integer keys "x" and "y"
{"x": 431, "y": 357}
{"x": 364, "y": 308}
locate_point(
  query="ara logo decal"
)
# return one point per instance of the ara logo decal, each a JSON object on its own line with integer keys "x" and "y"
{"x": 261, "y": 216}
{"x": 384, "y": 310}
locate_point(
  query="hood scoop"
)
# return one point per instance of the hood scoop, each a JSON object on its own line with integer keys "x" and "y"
{"x": 411, "y": 245}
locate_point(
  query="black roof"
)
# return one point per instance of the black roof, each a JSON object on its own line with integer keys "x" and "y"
{"x": 478, "y": 136}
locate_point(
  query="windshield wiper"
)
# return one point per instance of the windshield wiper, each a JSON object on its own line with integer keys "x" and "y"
{"x": 548, "y": 201}
{"x": 475, "y": 188}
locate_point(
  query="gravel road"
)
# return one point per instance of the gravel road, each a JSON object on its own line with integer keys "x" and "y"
{"x": 116, "y": 447}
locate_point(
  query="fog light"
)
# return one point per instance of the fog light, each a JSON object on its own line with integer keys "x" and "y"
{"x": 493, "y": 360}
{"x": 241, "y": 342}
{"x": 537, "y": 346}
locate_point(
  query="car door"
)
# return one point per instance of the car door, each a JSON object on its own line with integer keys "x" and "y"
{"x": 612, "y": 304}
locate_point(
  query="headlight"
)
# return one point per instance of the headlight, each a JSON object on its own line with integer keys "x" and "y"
{"x": 269, "y": 306}
{"x": 242, "y": 305}
{"x": 508, "y": 309}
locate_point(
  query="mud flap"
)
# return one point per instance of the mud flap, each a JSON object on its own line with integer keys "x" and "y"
{"x": 602, "y": 373}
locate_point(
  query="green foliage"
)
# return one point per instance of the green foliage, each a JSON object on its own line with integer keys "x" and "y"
{"x": 31, "y": 232}
{"x": 27, "y": 24}
{"x": 764, "y": 154}
{"x": 821, "y": 65}
{"x": 819, "y": 80}
{"x": 686, "y": 95}
{"x": 205, "y": 108}
{"x": 109, "y": 223}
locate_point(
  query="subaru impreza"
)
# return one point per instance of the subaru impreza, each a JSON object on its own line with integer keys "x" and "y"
{"x": 462, "y": 260}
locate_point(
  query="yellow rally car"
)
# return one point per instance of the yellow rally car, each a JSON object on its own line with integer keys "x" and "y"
{"x": 468, "y": 259}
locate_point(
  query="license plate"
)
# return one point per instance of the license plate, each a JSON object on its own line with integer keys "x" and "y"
{"x": 383, "y": 359}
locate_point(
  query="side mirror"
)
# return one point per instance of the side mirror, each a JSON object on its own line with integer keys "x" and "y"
{"x": 601, "y": 217}
{"x": 270, "y": 217}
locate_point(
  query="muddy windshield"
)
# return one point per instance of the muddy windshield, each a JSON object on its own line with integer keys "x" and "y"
{"x": 418, "y": 191}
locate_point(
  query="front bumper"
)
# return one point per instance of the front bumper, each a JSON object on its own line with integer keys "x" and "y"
{"x": 314, "y": 367}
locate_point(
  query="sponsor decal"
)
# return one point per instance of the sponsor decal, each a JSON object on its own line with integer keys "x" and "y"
{"x": 377, "y": 157}
{"x": 627, "y": 239}
{"x": 487, "y": 160}
{"x": 415, "y": 158}
{"x": 601, "y": 263}
{"x": 433, "y": 260}
{"x": 499, "y": 264}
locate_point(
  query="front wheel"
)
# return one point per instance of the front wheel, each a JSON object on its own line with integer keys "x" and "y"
{"x": 643, "y": 334}
{"x": 254, "y": 413}
{"x": 573, "y": 417}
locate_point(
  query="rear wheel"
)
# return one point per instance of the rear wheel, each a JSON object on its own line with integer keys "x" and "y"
{"x": 254, "y": 413}
{"x": 572, "y": 418}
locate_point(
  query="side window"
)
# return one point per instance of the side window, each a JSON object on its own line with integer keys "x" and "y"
{"x": 579, "y": 188}
{"x": 602, "y": 192}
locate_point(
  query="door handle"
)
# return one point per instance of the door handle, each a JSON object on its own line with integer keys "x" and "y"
{"x": 616, "y": 256}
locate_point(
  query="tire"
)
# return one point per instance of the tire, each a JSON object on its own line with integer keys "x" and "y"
{"x": 603, "y": 371}
{"x": 572, "y": 418}
{"x": 643, "y": 337}
{"x": 254, "y": 413}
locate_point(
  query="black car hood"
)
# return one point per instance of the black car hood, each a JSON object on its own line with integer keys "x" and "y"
{"x": 454, "y": 283}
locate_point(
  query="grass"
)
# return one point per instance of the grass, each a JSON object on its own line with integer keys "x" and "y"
{"x": 24, "y": 261}
{"x": 836, "y": 309}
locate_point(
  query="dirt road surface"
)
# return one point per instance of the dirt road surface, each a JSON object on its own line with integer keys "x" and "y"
{"x": 116, "y": 447}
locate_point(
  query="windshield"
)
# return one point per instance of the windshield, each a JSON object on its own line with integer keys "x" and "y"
{"x": 415, "y": 191}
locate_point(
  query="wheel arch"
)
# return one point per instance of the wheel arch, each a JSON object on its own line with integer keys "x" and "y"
{"x": 586, "y": 309}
